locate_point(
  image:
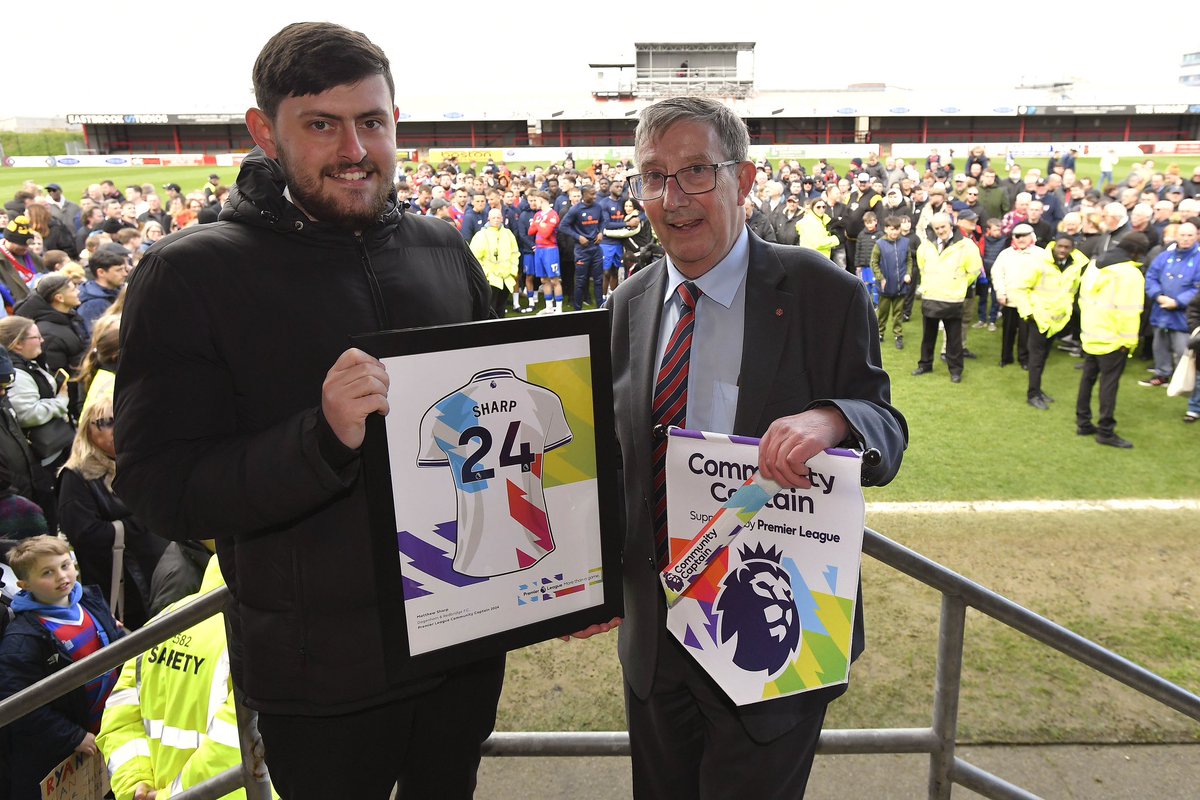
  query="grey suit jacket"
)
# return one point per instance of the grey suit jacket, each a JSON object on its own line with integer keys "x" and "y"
{"x": 811, "y": 339}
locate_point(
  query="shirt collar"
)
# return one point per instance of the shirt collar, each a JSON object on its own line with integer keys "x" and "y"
{"x": 722, "y": 281}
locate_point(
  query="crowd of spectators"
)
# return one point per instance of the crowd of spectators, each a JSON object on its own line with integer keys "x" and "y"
{"x": 983, "y": 248}
{"x": 847, "y": 217}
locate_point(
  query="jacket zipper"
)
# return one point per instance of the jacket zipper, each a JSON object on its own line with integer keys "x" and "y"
{"x": 382, "y": 320}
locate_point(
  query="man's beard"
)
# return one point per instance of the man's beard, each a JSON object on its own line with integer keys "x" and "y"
{"x": 307, "y": 195}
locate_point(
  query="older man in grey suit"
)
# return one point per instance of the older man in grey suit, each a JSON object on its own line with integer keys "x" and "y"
{"x": 758, "y": 339}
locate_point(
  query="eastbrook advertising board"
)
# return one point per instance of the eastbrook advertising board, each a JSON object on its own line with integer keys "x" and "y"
{"x": 773, "y": 613}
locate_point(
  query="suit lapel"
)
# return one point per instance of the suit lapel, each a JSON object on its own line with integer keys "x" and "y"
{"x": 645, "y": 316}
{"x": 768, "y": 310}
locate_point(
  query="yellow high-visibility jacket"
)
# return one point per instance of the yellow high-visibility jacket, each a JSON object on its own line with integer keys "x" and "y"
{"x": 814, "y": 233}
{"x": 946, "y": 276}
{"x": 496, "y": 249}
{"x": 1046, "y": 294}
{"x": 170, "y": 720}
{"x": 1110, "y": 306}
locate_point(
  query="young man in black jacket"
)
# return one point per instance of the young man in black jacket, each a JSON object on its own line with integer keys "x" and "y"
{"x": 241, "y": 414}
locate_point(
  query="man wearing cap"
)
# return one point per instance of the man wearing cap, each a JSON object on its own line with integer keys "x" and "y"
{"x": 1110, "y": 295}
{"x": 958, "y": 192}
{"x": 210, "y": 188}
{"x": 173, "y": 190}
{"x": 1174, "y": 193}
{"x": 949, "y": 265}
{"x": 861, "y": 200}
{"x": 440, "y": 208}
{"x": 1013, "y": 263}
{"x": 18, "y": 264}
{"x": 923, "y": 226}
{"x": 895, "y": 203}
{"x": 785, "y": 221}
{"x": 52, "y": 306}
{"x": 64, "y": 210}
{"x": 110, "y": 264}
{"x": 1047, "y": 190}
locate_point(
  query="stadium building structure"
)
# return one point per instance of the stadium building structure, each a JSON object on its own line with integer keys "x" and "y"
{"x": 605, "y": 113}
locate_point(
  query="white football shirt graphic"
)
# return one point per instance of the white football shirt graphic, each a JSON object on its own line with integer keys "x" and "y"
{"x": 492, "y": 434}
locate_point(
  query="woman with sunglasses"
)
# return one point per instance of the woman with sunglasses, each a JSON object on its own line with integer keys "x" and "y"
{"x": 88, "y": 511}
{"x": 813, "y": 228}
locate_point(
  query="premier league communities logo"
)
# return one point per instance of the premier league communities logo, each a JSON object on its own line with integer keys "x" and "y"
{"x": 544, "y": 589}
{"x": 756, "y": 607}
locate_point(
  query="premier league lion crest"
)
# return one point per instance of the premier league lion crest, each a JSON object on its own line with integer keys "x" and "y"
{"x": 756, "y": 606}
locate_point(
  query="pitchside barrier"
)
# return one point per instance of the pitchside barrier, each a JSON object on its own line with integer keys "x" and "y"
{"x": 938, "y": 740}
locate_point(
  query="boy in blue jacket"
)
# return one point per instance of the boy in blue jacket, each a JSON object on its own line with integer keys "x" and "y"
{"x": 57, "y": 623}
{"x": 892, "y": 260}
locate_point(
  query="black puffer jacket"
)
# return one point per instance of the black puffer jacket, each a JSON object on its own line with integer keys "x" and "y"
{"x": 65, "y": 334}
{"x": 228, "y": 332}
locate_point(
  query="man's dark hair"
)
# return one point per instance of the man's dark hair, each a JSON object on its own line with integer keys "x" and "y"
{"x": 307, "y": 58}
{"x": 105, "y": 259}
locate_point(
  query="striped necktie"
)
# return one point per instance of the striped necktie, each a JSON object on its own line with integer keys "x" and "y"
{"x": 670, "y": 407}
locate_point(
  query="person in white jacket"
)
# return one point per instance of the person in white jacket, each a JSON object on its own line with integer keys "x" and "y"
{"x": 1013, "y": 261}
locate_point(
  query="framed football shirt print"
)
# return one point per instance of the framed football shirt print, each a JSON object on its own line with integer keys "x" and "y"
{"x": 492, "y": 484}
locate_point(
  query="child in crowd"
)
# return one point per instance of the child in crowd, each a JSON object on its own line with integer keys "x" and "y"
{"x": 862, "y": 254}
{"x": 994, "y": 241}
{"x": 892, "y": 261}
{"x": 914, "y": 241}
{"x": 57, "y": 622}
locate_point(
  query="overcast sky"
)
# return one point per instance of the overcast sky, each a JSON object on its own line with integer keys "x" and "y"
{"x": 200, "y": 54}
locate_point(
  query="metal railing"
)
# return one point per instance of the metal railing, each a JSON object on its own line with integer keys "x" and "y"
{"x": 938, "y": 740}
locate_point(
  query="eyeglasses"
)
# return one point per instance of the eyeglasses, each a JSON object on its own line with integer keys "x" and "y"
{"x": 37, "y": 337}
{"x": 972, "y": 194}
{"x": 696, "y": 179}
{"x": 819, "y": 205}
{"x": 105, "y": 423}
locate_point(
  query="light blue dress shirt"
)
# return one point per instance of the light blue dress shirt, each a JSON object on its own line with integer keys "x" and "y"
{"x": 716, "y": 357}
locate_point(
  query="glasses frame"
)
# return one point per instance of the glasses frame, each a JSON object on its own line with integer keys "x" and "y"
{"x": 636, "y": 180}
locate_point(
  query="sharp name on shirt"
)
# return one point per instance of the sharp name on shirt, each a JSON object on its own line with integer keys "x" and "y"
{"x": 494, "y": 407}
